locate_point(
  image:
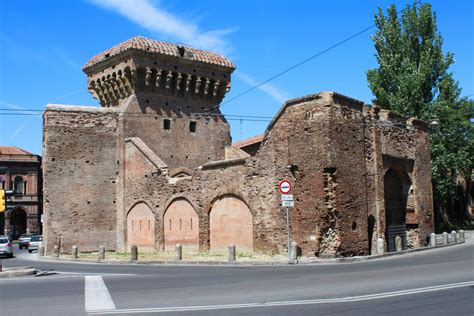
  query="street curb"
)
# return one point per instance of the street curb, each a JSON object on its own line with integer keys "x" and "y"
{"x": 17, "y": 272}
{"x": 386, "y": 255}
{"x": 301, "y": 261}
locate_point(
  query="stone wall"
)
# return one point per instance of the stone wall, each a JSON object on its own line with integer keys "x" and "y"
{"x": 80, "y": 174}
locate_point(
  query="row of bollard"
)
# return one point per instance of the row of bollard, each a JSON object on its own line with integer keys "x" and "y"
{"x": 178, "y": 253}
{"x": 455, "y": 237}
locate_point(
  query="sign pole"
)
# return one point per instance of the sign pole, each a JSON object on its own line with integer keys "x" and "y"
{"x": 287, "y": 209}
{"x": 284, "y": 187}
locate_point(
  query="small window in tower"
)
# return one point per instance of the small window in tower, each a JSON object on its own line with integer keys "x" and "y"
{"x": 192, "y": 127}
{"x": 166, "y": 124}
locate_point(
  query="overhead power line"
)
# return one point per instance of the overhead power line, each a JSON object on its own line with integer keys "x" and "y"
{"x": 299, "y": 64}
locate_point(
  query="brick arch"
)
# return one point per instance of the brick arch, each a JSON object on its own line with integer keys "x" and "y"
{"x": 181, "y": 225}
{"x": 141, "y": 226}
{"x": 18, "y": 221}
{"x": 396, "y": 184}
{"x": 230, "y": 222}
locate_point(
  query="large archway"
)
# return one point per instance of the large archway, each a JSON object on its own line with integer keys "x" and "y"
{"x": 230, "y": 222}
{"x": 395, "y": 208}
{"x": 141, "y": 226}
{"x": 17, "y": 222}
{"x": 181, "y": 225}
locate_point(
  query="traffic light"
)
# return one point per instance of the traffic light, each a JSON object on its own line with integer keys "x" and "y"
{"x": 4, "y": 194}
{"x": 3, "y": 201}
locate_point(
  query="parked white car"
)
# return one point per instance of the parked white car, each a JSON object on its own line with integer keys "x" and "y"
{"x": 6, "y": 247}
{"x": 35, "y": 243}
{"x": 24, "y": 240}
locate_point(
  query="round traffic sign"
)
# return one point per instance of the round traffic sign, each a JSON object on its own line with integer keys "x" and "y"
{"x": 284, "y": 187}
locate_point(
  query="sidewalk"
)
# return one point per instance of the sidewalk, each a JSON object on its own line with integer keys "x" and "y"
{"x": 17, "y": 272}
{"x": 196, "y": 258}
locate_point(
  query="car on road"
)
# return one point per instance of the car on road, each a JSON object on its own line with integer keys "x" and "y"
{"x": 6, "y": 247}
{"x": 24, "y": 240}
{"x": 9, "y": 237}
{"x": 35, "y": 243}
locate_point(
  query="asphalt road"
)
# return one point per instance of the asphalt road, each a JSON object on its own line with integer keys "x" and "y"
{"x": 435, "y": 282}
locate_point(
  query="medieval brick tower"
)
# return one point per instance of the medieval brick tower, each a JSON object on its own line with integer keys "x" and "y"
{"x": 163, "y": 91}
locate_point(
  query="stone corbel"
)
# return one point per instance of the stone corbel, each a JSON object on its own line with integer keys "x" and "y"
{"x": 215, "y": 90}
{"x": 126, "y": 80}
{"x": 115, "y": 87}
{"x": 158, "y": 78}
{"x": 179, "y": 79}
{"x": 120, "y": 85}
{"x": 92, "y": 90}
{"x": 227, "y": 87}
{"x": 110, "y": 89}
{"x": 198, "y": 85}
{"x": 103, "y": 87}
{"x": 169, "y": 78}
{"x": 148, "y": 77}
{"x": 206, "y": 86}
{"x": 133, "y": 77}
{"x": 98, "y": 89}
{"x": 187, "y": 87}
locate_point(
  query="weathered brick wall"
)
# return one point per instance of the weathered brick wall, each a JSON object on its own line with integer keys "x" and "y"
{"x": 313, "y": 139}
{"x": 332, "y": 148}
{"x": 79, "y": 163}
{"x": 177, "y": 146}
{"x": 402, "y": 145}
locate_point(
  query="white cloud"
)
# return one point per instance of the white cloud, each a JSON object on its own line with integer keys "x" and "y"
{"x": 153, "y": 18}
{"x": 277, "y": 94}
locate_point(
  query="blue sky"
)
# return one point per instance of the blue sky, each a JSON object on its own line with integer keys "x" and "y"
{"x": 44, "y": 44}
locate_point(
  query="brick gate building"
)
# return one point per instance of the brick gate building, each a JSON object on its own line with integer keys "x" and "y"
{"x": 154, "y": 165}
{"x": 20, "y": 171}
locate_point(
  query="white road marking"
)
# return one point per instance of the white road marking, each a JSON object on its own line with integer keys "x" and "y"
{"x": 97, "y": 296}
{"x": 285, "y": 303}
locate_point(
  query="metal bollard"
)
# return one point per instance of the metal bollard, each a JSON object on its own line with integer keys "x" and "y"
{"x": 56, "y": 251}
{"x": 74, "y": 252}
{"x": 398, "y": 243}
{"x": 101, "y": 252}
{"x": 445, "y": 238}
{"x": 380, "y": 246}
{"x": 462, "y": 238}
{"x": 41, "y": 251}
{"x": 433, "y": 240}
{"x": 134, "y": 253}
{"x": 178, "y": 252}
{"x": 294, "y": 251}
{"x": 454, "y": 237}
{"x": 231, "y": 252}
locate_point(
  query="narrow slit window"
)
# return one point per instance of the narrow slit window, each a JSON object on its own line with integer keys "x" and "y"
{"x": 192, "y": 126}
{"x": 166, "y": 124}
{"x": 148, "y": 224}
{"x": 180, "y": 224}
{"x": 191, "y": 224}
{"x": 170, "y": 224}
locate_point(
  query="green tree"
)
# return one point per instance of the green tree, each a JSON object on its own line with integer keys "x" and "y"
{"x": 413, "y": 80}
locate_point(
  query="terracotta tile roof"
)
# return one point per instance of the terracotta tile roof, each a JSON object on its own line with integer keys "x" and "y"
{"x": 154, "y": 46}
{"x": 249, "y": 141}
{"x": 12, "y": 150}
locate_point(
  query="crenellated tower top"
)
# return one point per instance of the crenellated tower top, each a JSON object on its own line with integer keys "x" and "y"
{"x": 144, "y": 65}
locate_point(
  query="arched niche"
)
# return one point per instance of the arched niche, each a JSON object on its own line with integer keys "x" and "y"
{"x": 230, "y": 222}
{"x": 181, "y": 225}
{"x": 141, "y": 226}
